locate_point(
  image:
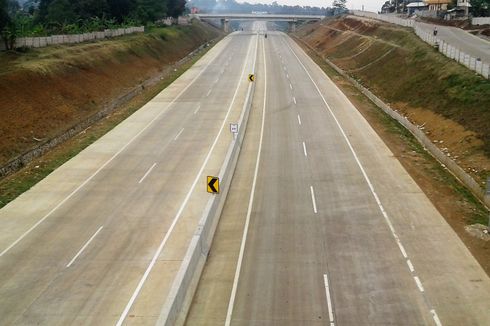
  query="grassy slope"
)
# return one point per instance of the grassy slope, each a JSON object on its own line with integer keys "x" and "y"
{"x": 410, "y": 73}
{"x": 45, "y": 91}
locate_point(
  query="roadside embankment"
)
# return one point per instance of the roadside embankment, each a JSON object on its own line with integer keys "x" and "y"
{"x": 441, "y": 100}
{"x": 45, "y": 92}
{"x": 56, "y": 101}
{"x": 450, "y": 103}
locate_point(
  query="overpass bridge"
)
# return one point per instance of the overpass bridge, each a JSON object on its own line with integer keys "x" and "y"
{"x": 292, "y": 19}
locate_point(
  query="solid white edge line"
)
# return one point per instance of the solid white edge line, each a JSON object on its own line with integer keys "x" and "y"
{"x": 184, "y": 203}
{"x": 329, "y": 299}
{"x": 106, "y": 163}
{"x": 368, "y": 181}
{"x": 231, "y": 303}
{"x": 304, "y": 149}
{"x": 299, "y": 120}
{"x": 419, "y": 283}
{"x": 313, "y": 199}
{"x": 83, "y": 248}
{"x": 147, "y": 172}
{"x": 180, "y": 132}
{"x": 435, "y": 317}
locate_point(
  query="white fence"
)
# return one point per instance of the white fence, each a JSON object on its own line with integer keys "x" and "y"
{"x": 453, "y": 52}
{"x": 39, "y": 42}
{"x": 445, "y": 48}
{"x": 480, "y": 21}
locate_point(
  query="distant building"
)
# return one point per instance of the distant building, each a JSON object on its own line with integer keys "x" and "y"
{"x": 465, "y": 6}
{"x": 416, "y": 6}
{"x": 437, "y": 5}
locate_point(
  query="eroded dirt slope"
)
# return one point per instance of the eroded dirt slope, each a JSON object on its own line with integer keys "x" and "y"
{"x": 450, "y": 102}
{"x": 46, "y": 91}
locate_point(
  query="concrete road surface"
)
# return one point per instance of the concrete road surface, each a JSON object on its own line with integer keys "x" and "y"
{"x": 98, "y": 242}
{"x": 323, "y": 226}
{"x": 466, "y": 42}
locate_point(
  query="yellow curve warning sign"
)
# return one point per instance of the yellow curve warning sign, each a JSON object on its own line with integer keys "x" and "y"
{"x": 213, "y": 185}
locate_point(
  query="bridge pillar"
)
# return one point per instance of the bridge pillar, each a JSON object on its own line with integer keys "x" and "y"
{"x": 225, "y": 25}
{"x": 292, "y": 27}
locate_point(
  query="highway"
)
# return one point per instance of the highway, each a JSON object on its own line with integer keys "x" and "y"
{"x": 99, "y": 241}
{"x": 323, "y": 226}
{"x": 466, "y": 42}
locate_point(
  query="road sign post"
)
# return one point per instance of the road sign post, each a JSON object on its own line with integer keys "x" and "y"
{"x": 234, "y": 129}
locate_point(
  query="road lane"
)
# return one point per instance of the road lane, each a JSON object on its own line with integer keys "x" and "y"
{"x": 163, "y": 145}
{"x": 461, "y": 39}
{"x": 376, "y": 251}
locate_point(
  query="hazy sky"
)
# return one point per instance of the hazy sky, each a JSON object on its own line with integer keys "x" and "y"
{"x": 371, "y": 5}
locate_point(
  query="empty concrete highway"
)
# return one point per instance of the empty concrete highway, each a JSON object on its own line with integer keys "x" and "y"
{"x": 98, "y": 242}
{"x": 323, "y": 226}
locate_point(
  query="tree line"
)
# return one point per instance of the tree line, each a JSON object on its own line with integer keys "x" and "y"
{"x": 44, "y": 17}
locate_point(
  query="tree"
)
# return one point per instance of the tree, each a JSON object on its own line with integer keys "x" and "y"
{"x": 61, "y": 12}
{"x": 480, "y": 8}
{"x": 87, "y": 9}
{"x": 176, "y": 8}
{"x": 339, "y": 4}
{"x": 4, "y": 17}
{"x": 150, "y": 10}
{"x": 43, "y": 10}
{"x": 121, "y": 8}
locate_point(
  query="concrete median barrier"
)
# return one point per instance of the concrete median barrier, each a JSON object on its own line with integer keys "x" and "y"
{"x": 184, "y": 286}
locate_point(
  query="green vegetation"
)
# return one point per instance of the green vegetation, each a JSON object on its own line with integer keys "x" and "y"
{"x": 47, "y": 17}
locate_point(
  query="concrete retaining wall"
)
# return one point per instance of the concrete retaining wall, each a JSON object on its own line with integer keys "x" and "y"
{"x": 184, "y": 286}
{"x": 39, "y": 42}
{"x": 480, "y": 21}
